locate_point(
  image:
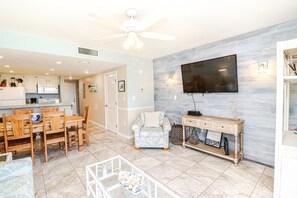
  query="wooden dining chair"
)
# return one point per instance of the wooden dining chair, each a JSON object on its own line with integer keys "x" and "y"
{"x": 23, "y": 111}
{"x": 85, "y": 127}
{"x": 54, "y": 126}
{"x": 73, "y": 133}
{"x": 49, "y": 109}
{"x": 18, "y": 133}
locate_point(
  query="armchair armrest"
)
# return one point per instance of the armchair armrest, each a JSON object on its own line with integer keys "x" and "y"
{"x": 166, "y": 125}
{"x": 137, "y": 125}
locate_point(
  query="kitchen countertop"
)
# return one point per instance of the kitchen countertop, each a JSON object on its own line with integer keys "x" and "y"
{"x": 37, "y": 105}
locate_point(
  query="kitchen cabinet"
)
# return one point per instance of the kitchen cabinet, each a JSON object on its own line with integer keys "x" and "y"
{"x": 30, "y": 83}
{"x": 48, "y": 80}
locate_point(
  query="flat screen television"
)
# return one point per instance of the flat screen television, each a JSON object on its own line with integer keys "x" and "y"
{"x": 210, "y": 76}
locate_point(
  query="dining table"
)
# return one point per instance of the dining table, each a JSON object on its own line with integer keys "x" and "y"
{"x": 71, "y": 121}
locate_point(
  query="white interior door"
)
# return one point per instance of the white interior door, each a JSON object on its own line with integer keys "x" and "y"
{"x": 111, "y": 102}
{"x": 69, "y": 95}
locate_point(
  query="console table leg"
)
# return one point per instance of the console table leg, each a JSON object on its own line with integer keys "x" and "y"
{"x": 184, "y": 134}
{"x": 235, "y": 149}
{"x": 241, "y": 145}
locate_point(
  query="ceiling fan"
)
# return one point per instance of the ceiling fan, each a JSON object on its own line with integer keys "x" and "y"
{"x": 133, "y": 29}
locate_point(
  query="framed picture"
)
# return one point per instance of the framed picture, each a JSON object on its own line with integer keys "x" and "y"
{"x": 121, "y": 86}
{"x": 213, "y": 139}
{"x": 93, "y": 88}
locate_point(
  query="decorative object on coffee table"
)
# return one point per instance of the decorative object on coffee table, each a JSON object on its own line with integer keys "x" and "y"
{"x": 176, "y": 134}
{"x": 213, "y": 139}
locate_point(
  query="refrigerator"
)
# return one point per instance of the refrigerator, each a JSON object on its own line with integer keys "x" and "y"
{"x": 12, "y": 96}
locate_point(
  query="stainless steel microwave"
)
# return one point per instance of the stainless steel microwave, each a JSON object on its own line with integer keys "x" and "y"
{"x": 48, "y": 89}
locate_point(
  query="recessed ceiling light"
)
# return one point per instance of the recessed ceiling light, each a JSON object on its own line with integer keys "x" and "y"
{"x": 52, "y": 69}
{"x": 11, "y": 71}
{"x": 59, "y": 62}
{"x": 86, "y": 72}
{"x": 6, "y": 66}
{"x": 70, "y": 77}
{"x": 83, "y": 62}
{"x": 46, "y": 73}
{"x": 1, "y": 57}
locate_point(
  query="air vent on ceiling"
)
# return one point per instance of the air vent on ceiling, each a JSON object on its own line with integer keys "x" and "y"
{"x": 86, "y": 51}
{"x": 294, "y": 56}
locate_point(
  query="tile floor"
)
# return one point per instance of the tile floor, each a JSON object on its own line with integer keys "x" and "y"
{"x": 187, "y": 172}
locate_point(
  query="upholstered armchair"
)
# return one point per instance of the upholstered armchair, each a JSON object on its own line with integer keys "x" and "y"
{"x": 151, "y": 130}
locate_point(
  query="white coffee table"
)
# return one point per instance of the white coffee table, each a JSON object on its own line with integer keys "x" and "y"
{"x": 102, "y": 180}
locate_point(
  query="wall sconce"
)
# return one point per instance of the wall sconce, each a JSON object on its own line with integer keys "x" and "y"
{"x": 171, "y": 78}
{"x": 263, "y": 68}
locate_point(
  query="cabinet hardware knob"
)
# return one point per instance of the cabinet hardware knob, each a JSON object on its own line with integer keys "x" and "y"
{"x": 222, "y": 126}
{"x": 204, "y": 123}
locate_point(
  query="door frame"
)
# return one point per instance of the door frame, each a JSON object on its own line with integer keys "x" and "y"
{"x": 117, "y": 99}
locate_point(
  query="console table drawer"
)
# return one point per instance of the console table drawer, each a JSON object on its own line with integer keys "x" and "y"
{"x": 222, "y": 127}
{"x": 205, "y": 124}
{"x": 190, "y": 122}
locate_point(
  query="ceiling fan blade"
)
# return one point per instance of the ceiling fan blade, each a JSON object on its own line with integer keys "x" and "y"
{"x": 111, "y": 37}
{"x": 148, "y": 21}
{"x": 158, "y": 36}
{"x": 106, "y": 22}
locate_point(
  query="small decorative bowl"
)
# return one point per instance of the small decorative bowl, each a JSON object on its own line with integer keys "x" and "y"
{"x": 36, "y": 117}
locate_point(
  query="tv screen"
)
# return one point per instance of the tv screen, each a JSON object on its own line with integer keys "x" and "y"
{"x": 209, "y": 76}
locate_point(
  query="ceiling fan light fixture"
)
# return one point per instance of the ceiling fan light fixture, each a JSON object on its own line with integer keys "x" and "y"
{"x": 139, "y": 44}
{"x": 126, "y": 44}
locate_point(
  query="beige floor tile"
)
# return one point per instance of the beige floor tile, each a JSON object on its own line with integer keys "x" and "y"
{"x": 134, "y": 155}
{"x": 180, "y": 163}
{"x": 151, "y": 151}
{"x": 81, "y": 172}
{"x": 96, "y": 147}
{"x": 75, "y": 153}
{"x": 105, "y": 154}
{"x": 187, "y": 186}
{"x": 163, "y": 173}
{"x": 146, "y": 163}
{"x": 193, "y": 155}
{"x": 233, "y": 186}
{"x": 266, "y": 182}
{"x": 56, "y": 167}
{"x": 39, "y": 185}
{"x": 216, "y": 163}
{"x": 73, "y": 191}
{"x": 261, "y": 193}
{"x": 203, "y": 173}
{"x": 55, "y": 182}
{"x": 163, "y": 156}
{"x": 177, "y": 150}
{"x": 83, "y": 161}
{"x": 213, "y": 193}
{"x": 269, "y": 171}
{"x": 246, "y": 171}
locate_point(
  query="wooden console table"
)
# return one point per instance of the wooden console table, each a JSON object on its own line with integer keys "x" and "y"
{"x": 224, "y": 125}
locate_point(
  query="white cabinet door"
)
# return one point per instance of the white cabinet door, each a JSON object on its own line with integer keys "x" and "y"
{"x": 48, "y": 80}
{"x": 30, "y": 83}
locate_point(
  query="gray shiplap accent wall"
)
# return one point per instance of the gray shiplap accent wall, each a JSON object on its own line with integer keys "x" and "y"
{"x": 256, "y": 100}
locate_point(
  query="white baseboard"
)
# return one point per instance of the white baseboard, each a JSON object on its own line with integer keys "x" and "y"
{"x": 95, "y": 123}
{"x": 122, "y": 135}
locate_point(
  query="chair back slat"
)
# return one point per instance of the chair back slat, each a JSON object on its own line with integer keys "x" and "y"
{"x": 86, "y": 113}
{"x": 54, "y": 121}
{"x": 49, "y": 109}
{"x": 23, "y": 111}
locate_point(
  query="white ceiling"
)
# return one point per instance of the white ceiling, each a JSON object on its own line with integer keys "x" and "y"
{"x": 192, "y": 22}
{"x": 22, "y": 62}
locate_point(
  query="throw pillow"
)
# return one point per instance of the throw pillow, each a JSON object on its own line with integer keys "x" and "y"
{"x": 152, "y": 119}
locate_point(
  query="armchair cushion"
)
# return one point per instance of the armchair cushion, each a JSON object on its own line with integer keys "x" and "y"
{"x": 151, "y": 132}
{"x": 157, "y": 114}
{"x": 151, "y": 119}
